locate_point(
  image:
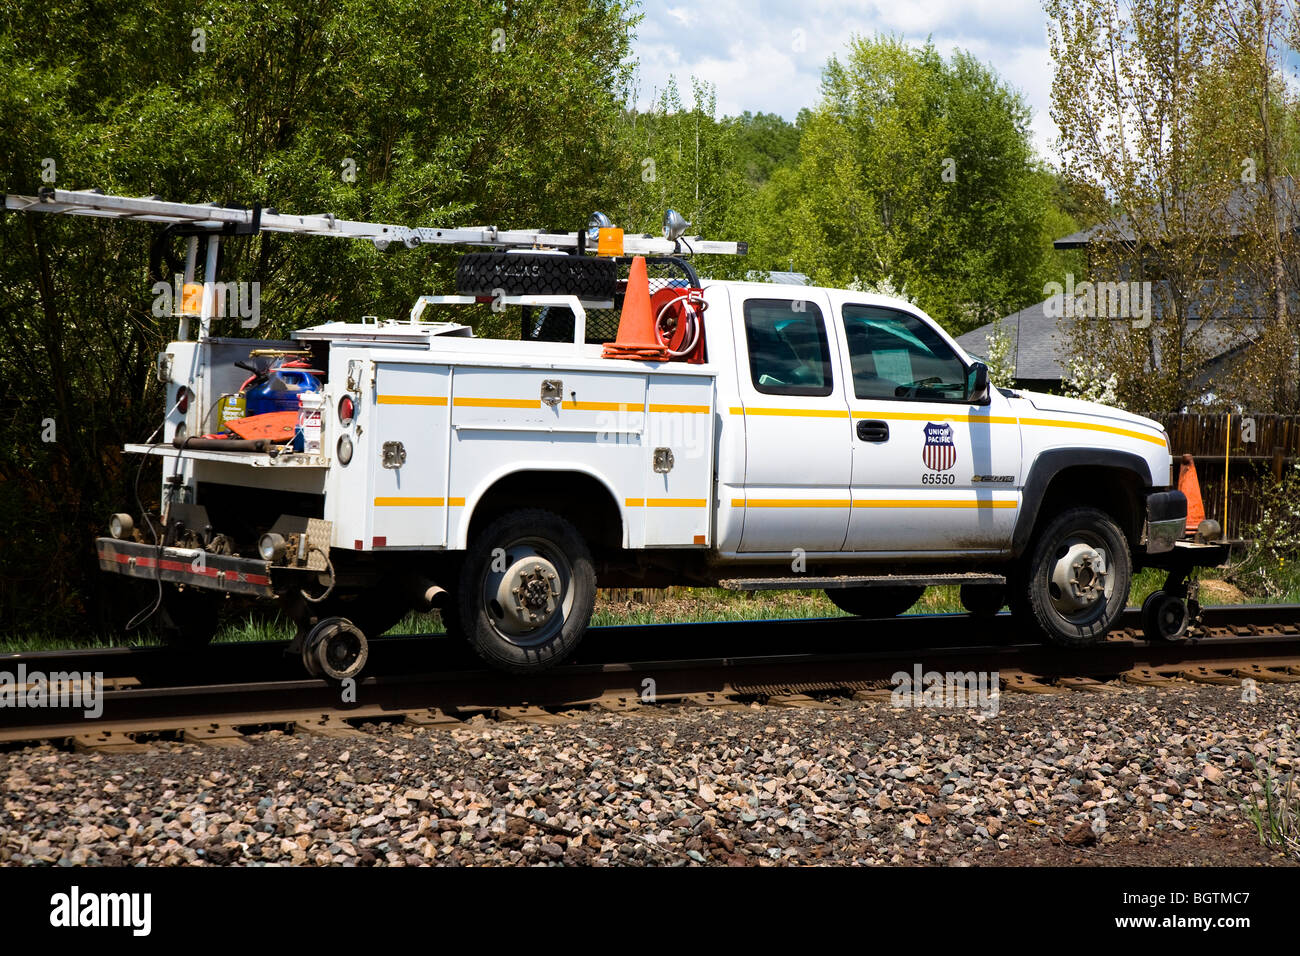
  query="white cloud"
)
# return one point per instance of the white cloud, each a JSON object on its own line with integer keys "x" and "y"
{"x": 767, "y": 56}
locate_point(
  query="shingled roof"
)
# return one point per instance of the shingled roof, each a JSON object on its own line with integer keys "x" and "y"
{"x": 1239, "y": 209}
{"x": 1037, "y": 343}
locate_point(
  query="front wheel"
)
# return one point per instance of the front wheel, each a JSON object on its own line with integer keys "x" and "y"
{"x": 527, "y": 590}
{"x": 885, "y": 601}
{"x": 1078, "y": 577}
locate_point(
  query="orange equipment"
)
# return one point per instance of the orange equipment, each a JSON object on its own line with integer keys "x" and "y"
{"x": 636, "y": 326}
{"x": 274, "y": 426}
{"x": 1190, "y": 486}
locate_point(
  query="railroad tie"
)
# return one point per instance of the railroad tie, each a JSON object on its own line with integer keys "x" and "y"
{"x": 109, "y": 742}
{"x": 533, "y": 715}
{"x": 1015, "y": 682}
{"x": 214, "y": 735}
{"x": 431, "y": 717}
{"x": 1145, "y": 677}
{"x": 803, "y": 700}
{"x": 712, "y": 700}
{"x": 1272, "y": 675}
{"x": 1200, "y": 674}
{"x": 326, "y": 725}
{"x": 619, "y": 705}
{"x": 1088, "y": 686}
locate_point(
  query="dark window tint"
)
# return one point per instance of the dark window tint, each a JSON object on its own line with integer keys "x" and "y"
{"x": 897, "y": 356}
{"x": 788, "y": 352}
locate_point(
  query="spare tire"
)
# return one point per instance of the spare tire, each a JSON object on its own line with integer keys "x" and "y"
{"x": 501, "y": 273}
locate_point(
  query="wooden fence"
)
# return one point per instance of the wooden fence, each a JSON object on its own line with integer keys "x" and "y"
{"x": 1255, "y": 446}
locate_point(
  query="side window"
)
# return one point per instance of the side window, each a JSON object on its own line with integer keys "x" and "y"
{"x": 788, "y": 351}
{"x": 897, "y": 356}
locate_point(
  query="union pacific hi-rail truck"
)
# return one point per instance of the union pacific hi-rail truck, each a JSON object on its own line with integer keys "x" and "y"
{"x": 744, "y": 434}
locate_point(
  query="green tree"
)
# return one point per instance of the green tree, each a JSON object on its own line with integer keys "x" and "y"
{"x": 916, "y": 170}
{"x": 450, "y": 111}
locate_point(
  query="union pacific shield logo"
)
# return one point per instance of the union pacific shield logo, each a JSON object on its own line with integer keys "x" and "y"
{"x": 939, "y": 453}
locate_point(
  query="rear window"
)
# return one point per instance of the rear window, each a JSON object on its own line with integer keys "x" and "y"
{"x": 788, "y": 351}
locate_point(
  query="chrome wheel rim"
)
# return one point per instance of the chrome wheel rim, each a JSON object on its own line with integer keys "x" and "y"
{"x": 1081, "y": 579}
{"x": 527, "y": 591}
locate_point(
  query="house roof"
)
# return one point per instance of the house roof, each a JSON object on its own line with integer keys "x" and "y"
{"x": 1040, "y": 342}
{"x": 1235, "y": 212}
{"x": 1037, "y": 342}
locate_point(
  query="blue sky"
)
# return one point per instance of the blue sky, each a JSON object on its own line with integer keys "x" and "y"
{"x": 767, "y": 56}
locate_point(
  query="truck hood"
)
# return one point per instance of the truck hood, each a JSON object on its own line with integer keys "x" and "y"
{"x": 1059, "y": 403}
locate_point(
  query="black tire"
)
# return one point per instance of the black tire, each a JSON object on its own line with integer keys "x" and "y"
{"x": 875, "y": 601}
{"x": 1165, "y": 618}
{"x": 983, "y": 600}
{"x": 189, "y": 617}
{"x": 533, "y": 546}
{"x": 492, "y": 273}
{"x": 1079, "y": 616}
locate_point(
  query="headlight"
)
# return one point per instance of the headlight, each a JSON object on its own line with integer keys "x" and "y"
{"x": 270, "y": 546}
{"x": 120, "y": 526}
{"x": 345, "y": 449}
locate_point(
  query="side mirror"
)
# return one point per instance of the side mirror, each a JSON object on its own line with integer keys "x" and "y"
{"x": 977, "y": 384}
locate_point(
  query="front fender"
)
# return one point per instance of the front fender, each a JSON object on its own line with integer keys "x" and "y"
{"x": 1051, "y": 463}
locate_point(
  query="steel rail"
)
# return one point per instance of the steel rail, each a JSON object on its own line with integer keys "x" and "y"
{"x": 755, "y": 673}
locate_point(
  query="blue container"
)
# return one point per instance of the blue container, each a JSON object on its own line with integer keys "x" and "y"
{"x": 279, "y": 393}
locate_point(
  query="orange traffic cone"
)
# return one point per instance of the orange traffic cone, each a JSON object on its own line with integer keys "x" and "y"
{"x": 1190, "y": 486}
{"x": 636, "y": 326}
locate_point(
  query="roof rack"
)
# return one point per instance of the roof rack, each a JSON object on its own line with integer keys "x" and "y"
{"x": 210, "y": 219}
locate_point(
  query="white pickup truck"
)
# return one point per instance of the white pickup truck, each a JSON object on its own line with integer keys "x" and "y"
{"x": 816, "y": 438}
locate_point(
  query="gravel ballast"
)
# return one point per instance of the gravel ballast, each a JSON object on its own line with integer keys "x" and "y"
{"x": 1149, "y": 776}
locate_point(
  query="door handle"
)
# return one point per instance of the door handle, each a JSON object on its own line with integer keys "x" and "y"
{"x": 871, "y": 430}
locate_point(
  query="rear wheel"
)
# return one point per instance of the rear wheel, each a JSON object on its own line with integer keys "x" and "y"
{"x": 527, "y": 590}
{"x": 1078, "y": 577}
{"x": 875, "y": 602}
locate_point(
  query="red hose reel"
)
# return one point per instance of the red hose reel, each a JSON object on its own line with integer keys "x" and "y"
{"x": 679, "y": 322}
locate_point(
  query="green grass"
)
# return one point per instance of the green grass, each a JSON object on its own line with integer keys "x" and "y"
{"x": 682, "y": 605}
{"x": 1275, "y": 810}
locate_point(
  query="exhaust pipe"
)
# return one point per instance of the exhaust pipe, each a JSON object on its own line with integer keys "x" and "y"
{"x": 428, "y": 597}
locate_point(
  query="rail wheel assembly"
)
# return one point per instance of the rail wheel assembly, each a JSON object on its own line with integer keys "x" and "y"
{"x": 335, "y": 648}
{"x": 1166, "y": 617}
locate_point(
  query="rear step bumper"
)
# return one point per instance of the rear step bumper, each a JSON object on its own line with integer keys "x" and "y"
{"x": 185, "y": 566}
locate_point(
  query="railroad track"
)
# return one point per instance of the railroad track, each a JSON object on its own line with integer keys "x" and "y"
{"x": 211, "y": 696}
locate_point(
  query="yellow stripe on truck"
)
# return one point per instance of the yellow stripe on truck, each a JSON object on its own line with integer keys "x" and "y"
{"x": 410, "y": 400}
{"x": 408, "y": 502}
{"x": 869, "y": 503}
{"x": 664, "y": 502}
{"x": 945, "y": 417}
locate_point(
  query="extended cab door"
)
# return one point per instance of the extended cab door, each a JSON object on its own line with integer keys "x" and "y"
{"x": 931, "y": 471}
{"x": 798, "y": 452}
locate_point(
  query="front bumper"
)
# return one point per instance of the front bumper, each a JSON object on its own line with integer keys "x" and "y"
{"x": 185, "y": 566}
